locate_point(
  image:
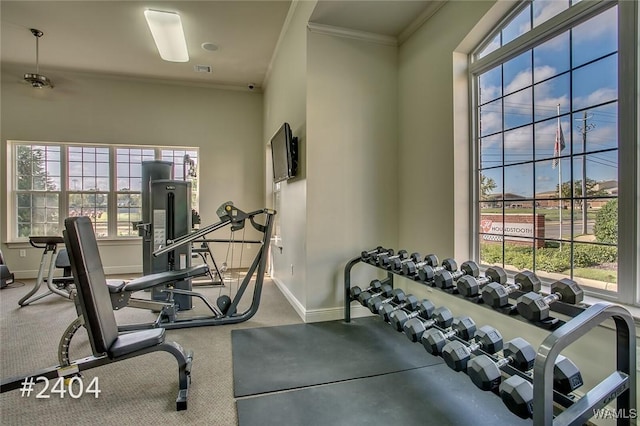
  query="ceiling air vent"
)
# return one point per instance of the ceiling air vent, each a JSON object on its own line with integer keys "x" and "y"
{"x": 202, "y": 68}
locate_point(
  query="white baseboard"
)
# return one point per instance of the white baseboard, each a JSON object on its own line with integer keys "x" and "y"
{"x": 319, "y": 315}
{"x": 299, "y": 308}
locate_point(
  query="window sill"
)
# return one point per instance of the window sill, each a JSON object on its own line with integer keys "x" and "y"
{"x": 590, "y": 299}
{"x": 101, "y": 242}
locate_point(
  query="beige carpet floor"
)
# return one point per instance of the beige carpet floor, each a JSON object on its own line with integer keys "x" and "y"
{"x": 138, "y": 391}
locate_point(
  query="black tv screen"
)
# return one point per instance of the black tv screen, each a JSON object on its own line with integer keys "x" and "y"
{"x": 284, "y": 154}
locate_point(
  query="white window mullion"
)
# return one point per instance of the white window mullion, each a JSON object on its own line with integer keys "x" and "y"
{"x": 112, "y": 207}
{"x": 63, "y": 199}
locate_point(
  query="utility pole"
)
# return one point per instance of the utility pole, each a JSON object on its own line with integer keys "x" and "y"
{"x": 584, "y": 128}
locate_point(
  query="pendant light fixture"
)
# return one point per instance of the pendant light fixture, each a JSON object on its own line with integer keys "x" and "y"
{"x": 35, "y": 79}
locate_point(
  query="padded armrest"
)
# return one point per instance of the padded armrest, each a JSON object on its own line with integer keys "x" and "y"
{"x": 132, "y": 342}
{"x": 53, "y": 239}
{"x": 153, "y": 280}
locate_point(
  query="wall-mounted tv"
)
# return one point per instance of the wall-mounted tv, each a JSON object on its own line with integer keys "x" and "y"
{"x": 284, "y": 154}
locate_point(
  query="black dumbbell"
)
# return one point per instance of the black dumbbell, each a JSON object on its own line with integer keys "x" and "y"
{"x": 365, "y": 255}
{"x": 457, "y": 354}
{"x": 424, "y": 310}
{"x": 384, "y": 260}
{"x": 517, "y": 392}
{"x": 375, "y": 303}
{"x": 427, "y": 273}
{"x": 411, "y": 268}
{"x": 486, "y": 373}
{"x": 365, "y": 296}
{"x": 497, "y": 296}
{"x": 470, "y": 286}
{"x": 518, "y": 353}
{"x": 445, "y": 279}
{"x": 434, "y": 340}
{"x": 374, "y": 258}
{"x": 410, "y": 302}
{"x": 397, "y": 264}
{"x": 415, "y": 327}
{"x": 374, "y": 286}
{"x": 535, "y": 307}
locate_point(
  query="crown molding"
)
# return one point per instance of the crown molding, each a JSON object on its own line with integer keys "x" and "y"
{"x": 352, "y": 34}
{"x": 426, "y": 14}
{"x": 62, "y": 74}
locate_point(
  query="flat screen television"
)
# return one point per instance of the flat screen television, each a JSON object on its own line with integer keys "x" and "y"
{"x": 284, "y": 154}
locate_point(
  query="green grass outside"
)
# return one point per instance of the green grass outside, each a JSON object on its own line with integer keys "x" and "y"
{"x": 604, "y": 275}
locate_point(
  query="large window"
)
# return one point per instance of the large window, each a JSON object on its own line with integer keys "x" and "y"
{"x": 547, "y": 132}
{"x": 54, "y": 181}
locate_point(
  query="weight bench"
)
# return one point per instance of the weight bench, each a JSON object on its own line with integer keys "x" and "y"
{"x": 95, "y": 312}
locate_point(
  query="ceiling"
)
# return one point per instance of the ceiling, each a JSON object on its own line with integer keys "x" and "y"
{"x": 111, "y": 37}
{"x": 388, "y": 18}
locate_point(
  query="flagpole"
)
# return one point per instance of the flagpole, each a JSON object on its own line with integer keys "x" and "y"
{"x": 559, "y": 177}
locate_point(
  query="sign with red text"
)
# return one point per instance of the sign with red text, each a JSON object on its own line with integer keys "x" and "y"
{"x": 517, "y": 228}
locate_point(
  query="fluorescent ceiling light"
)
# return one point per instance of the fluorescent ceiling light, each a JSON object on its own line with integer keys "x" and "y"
{"x": 166, "y": 29}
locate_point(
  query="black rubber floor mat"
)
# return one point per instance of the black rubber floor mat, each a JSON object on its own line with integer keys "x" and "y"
{"x": 433, "y": 395}
{"x": 287, "y": 357}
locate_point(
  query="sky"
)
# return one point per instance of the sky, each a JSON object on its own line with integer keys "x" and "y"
{"x": 543, "y": 76}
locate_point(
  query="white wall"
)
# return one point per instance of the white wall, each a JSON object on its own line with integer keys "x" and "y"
{"x": 340, "y": 97}
{"x": 351, "y": 159}
{"x": 225, "y": 124}
{"x": 285, "y": 100}
{"x": 427, "y": 154}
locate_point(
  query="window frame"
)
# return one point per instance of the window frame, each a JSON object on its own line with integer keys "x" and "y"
{"x": 64, "y": 190}
{"x": 628, "y": 117}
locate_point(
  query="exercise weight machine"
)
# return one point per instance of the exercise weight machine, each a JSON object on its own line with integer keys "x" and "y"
{"x": 225, "y": 310}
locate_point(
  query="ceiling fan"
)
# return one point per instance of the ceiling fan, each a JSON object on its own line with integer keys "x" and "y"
{"x": 35, "y": 79}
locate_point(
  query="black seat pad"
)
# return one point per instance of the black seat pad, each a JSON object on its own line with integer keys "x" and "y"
{"x": 132, "y": 342}
{"x": 153, "y": 280}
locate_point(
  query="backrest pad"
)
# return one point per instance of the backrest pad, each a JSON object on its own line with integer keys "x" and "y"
{"x": 91, "y": 284}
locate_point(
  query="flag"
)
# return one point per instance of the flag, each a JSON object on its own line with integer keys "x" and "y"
{"x": 558, "y": 147}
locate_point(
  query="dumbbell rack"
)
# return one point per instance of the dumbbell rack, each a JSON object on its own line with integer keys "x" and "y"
{"x": 620, "y": 385}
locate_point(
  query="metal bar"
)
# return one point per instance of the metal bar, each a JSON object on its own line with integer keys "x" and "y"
{"x": 191, "y": 237}
{"x": 48, "y": 250}
{"x": 152, "y": 305}
{"x": 206, "y": 230}
{"x": 219, "y": 240}
{"x": 569, "y": 333}
{"x": 245, "y": 283}
{"x": 257, "y": 291}
{"x": 347, "y": 286}
{"x": 596, "y": 398}
{"x": 190, "y": 293}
